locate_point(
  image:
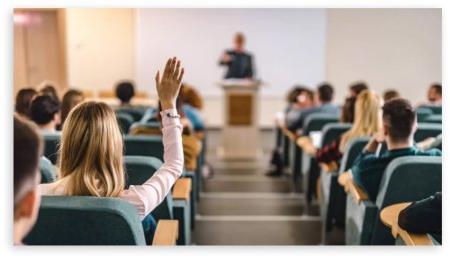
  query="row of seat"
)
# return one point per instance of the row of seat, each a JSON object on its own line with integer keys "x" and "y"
{"x": 143, "y": 156}
{"x": 331, "y": 196}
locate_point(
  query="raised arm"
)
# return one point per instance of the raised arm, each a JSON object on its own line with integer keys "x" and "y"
{"x": 148, "y": 195}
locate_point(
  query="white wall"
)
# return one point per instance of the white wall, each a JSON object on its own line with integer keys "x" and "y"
{"x": 100, "y": 47}
{"x": 287, "y": 44}
{"x": 388, "y": 48}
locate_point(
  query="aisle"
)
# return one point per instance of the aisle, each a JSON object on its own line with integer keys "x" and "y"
{"x": 239, "y": 205}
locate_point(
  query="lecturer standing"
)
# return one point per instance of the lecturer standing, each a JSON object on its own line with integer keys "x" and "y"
{"x": 238, "y": 61}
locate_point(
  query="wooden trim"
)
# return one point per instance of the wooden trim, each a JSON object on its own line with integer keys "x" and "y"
{"x": 166, "y": 233}
{"x": 330, "y": 167}
{"x": 357, "y": 193}
{"x": 305, "y": 143}
{"x": 291, "y": 135}
{"x": 61, "y": 20}
{"x": 182, "y": 189}
{"x": 389, "y": 217}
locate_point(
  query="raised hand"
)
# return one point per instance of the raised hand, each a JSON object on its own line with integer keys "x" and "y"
{"x": 168, "y": 86}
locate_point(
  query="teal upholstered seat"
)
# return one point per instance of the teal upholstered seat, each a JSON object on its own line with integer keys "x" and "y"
{"x": 51, "y": 146}
{"x": 124, "y": 120}
{"x": 136, "y": 113}
{"x": 140, "y": 169}
{"x": 76, "y": 220}
{"x": 437, "y": 109}
{"x": 405, "y": 179}
{"x": 434, "y": 118}
{"x": 426, "y": 130}
{"x": 423, "y": 113}
{"x": 331, "y": 131}
{"x": 333, "y": 197}
{"x": 144, "y": 146}
{"x": 47, "y": 169}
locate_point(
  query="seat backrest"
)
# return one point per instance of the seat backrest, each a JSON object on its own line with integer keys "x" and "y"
{"x": 48, "y": 170}
{"x": 354, "y": 148}
{"x": 139, "y": 169}
{"x": 435, "y": 109}
{"x": 144, "y": 146}
{"x": 135, "y": 112}
{"x": 406, "y": 179}
{"x": 426, "y": 130}
{"x": 435, "y": 118}
{"x": 82, "y": 220}
{"x": 332, "y": 131}
{"x": 316, "y": 121}
{"x": 51, "y": 146}
{"x": 124, "y": 120}
{"x": 147, "y": 128}
{"x": 423, "y": 113}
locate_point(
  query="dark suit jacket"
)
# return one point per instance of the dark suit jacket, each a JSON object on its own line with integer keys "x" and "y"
{"x": 240, "y": 66}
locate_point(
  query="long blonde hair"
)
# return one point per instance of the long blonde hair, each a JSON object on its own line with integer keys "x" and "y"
{"x": 367, "y": 120}
{"x": 91, "y": 152}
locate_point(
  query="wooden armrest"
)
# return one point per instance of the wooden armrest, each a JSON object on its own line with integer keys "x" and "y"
{"x": 389, "y": 217}
{"x": 182, "y": 189}
{"x": 357, "y": 193}
{"x": 305, "y": 143}
{"x": 330, "y": 167}
{"x": 166, "y": 233}
{"x": 291, "y": 135}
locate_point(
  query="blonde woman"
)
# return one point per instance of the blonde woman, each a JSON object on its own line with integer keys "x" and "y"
{"x": 367, "y": 122}
{"x": 91, "y": 153}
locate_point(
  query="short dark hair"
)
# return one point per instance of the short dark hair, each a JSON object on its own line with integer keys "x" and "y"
{"x": 437, "y": 87}
{"x": 348, "y": 110}
{"x": 399, "y": 116}
{"x": 68, "y": 102}
{"x": 326, "y": 92}
{"x": 23, "y": 101}
{"x": 43, "y": 109}
{"x": 27, "y": 150}
{"x": 125, "y": 91}
{"x": 358, "y": 87}
{"x": 390, "y": 94}
{"x": 50, "y": 90}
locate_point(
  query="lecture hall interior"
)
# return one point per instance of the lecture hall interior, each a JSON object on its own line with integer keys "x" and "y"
{"x": 234, "y": 126}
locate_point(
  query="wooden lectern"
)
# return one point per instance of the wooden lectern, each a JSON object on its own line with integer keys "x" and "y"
{"x": 240, "y": 137}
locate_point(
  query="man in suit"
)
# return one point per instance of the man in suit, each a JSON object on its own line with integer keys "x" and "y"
{"x": 238, "y": 61}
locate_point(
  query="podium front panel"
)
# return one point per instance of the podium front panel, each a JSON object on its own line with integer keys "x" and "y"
{"x": 240, "y": 109}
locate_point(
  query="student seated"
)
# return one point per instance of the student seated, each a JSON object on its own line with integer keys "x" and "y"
{"x": 423, "y": 217}
{"x": 434, "y": 95}
{"x": 125, "y": 92}
{"x": 191, "y": 112}
{"x": 45, "y": 112}
{"x": 191, "y": 97}
{"x": 27, "y": 150}
{"x": 49, "y": 88}
{"x": 303, "y": 101}
{"x": 357, "y": 87}
{"x": 399, "y": 126}
{"x": 324, "y": 95}
{"x": 70, "y": 99}
{"x": 367, "y": 122}
{"x": 23, "y": 102}
{"x": 390, "y": 94}
{"x": 91, "y": 156}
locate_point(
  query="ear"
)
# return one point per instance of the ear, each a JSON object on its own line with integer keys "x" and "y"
{"x": 57, "y": 118}
{"x": 385, "y": 130}
{"x": 29, "y": 204}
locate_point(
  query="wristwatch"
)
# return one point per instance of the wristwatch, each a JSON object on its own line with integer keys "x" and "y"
{"x": 172, "y": 115}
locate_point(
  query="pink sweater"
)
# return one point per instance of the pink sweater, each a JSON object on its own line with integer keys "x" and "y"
{"x": 150, "y": 194}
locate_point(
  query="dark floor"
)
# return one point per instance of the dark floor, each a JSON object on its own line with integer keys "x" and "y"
{"x": 239, "y": 205}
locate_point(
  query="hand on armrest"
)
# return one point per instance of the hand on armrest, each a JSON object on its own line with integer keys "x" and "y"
{"x": 166, "y": 233}
{"x": 305, "y": 143}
